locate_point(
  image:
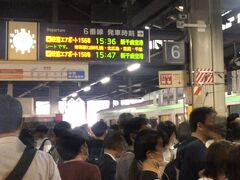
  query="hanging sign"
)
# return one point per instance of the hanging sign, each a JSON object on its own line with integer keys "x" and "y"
{"x": 92, "y": 43}
{"x": 43, "y": 71}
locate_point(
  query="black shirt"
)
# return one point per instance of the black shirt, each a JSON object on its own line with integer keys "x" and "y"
{"x": 148, "y": 175}
{"x": 107, "y": 166}
{"x": 191, "y": 159}
{"x": 95, "y": 149}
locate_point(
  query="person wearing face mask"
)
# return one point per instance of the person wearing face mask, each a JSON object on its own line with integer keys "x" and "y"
{"x": 130, "y": 129}
{"x": 190, "y": 161}
{"x": 73, "y": 150}
{"x": 148, "y": 149}
{"x": 168, "y": 128}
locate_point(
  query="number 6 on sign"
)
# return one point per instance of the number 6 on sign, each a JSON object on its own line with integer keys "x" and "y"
{"x": 174, "y": 52}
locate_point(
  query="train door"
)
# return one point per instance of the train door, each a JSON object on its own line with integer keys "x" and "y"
{"x": 165, "y": 117}
{"x": 179, "y": 118}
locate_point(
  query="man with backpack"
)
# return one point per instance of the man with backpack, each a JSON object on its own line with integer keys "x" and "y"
{"x": 19, "y": 162}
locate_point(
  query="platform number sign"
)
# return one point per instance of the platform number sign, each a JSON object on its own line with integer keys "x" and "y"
{"x": 174, "y": 52}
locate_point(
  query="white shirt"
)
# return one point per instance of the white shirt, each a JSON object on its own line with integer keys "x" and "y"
{"x": 110, "y": 156}
{"x": 42, "y": 167}
{"x": 47, "y": 144}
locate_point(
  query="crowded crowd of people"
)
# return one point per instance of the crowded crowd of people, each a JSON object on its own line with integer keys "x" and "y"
{"x": 134, "y": 149}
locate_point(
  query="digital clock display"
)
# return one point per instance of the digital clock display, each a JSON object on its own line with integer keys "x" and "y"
{"x": 88, "y": 43}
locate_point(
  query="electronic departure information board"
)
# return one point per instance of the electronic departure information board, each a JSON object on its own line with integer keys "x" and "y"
{"x": 92, "y": 43}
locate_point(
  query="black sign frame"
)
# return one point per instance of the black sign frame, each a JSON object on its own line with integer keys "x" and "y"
{"x": 3, "y": 40}
{"x": 174, "y": 53}
{"x": 104, "y": 44}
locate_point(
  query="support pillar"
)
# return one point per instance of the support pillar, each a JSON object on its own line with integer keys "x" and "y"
{"x": 207, "y": 52}
{"x": 119, "y": 102}
{"x": 10, "y": 89}
{"x": 110, "y": 103}
{"x": 86, "y": 111}
{"x": 53, "y": 98}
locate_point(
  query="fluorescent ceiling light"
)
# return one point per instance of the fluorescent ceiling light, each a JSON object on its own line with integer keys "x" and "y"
{"x": 133, "y": 67}
{"x": 87, "y": 88}
{"x": 74, "y": 95}
{"x": 181, "y": 8}
{"x": 147, "y": 27}
{"x": 105, "y": 80}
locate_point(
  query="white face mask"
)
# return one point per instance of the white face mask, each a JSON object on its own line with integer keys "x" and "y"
{"x": 167, "y": 155}
{"x": 172, "y": 142}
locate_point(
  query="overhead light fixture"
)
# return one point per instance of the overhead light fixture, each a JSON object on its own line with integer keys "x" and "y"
{"x": 74, "y": 94}
{"x": 105, "y": 80}
{"x": 133, "y": 67}
{"x": 87, "y": 88}
{"x": 180, "y": 8}
{"x": 137, "y": 90}
{"x": 147, "y": 27}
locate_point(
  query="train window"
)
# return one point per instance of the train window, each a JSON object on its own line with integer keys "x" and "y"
{"x": 165, "y": 117}
{"x": 234, "y": 109}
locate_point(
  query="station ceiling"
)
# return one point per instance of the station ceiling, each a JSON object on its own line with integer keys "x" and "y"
{"x": 131, "y": 13}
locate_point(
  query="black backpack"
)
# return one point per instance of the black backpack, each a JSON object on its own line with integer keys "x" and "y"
{"x": 23, "y": 164}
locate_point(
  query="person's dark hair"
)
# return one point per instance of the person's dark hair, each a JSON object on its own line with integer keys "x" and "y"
{"x": 153, "y": 122}
{"x": 99, "y": 128}
{"x": 112, "y": 140}
{"x": 41, "y": 129}
{"x": 216, "y": 159}
{"x": 221, "y": 126}
{"x": 183, "y": 131}
{"x": 199, "y": 115}
{"x": 26, "y": 137}
{"x": 60, "y": 128}
{"x": 233, "y": 164}
{"x": 69, "y": 145}
{"x": 146, "y": 140}
{"x": 115, "y": 127}
{"x": 124, "y": 117}
{"x": 167, "y": 128}
{"x": 10, "y": 114}
{"x": 235, "y": 131}
{"x": 132, "y": 126}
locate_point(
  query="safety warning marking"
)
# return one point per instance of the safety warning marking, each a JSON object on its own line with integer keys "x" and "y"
{"x": 204, "y": 76}
{"x": 197, "y": 90}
